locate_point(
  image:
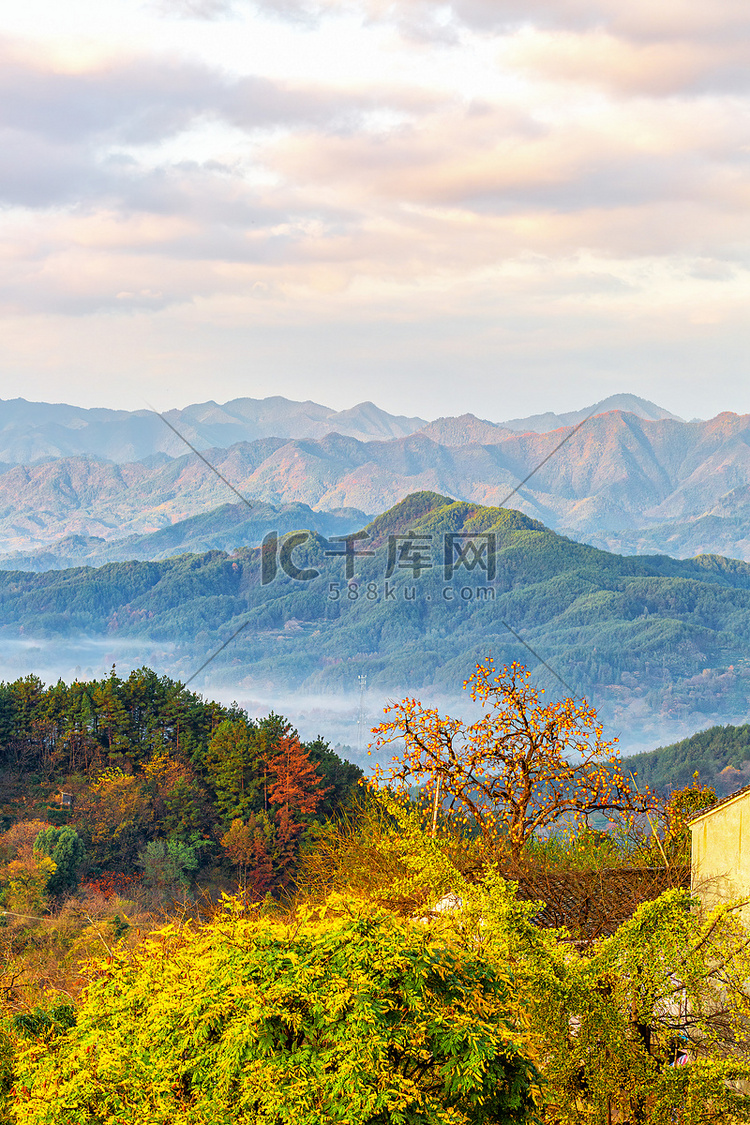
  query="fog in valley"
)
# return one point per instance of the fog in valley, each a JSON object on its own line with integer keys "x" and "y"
{"x": 343, "y": 717}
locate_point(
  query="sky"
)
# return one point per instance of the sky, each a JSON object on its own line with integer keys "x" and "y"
{"x": 495, "y": 206}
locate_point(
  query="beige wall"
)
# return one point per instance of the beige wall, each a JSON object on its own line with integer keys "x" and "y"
{"x": 721, "y": 853}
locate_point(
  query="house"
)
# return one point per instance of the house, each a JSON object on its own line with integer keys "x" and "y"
{"x": 720, "y": 868}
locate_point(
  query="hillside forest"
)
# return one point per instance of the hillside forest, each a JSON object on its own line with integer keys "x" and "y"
{"x": 660, "y": 643}
{"x": 206, "y": 920}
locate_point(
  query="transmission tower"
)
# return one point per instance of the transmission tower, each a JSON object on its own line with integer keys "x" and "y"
{"x": 361, "y": 716}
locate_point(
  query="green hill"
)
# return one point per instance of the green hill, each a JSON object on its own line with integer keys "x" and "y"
{"x": 721, "y": 756}
{"x": 639, "y": 636}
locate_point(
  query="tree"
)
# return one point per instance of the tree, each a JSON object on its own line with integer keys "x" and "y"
{"x": 521, "y": 768}
{"x": 65, "y": 848}
{"x": 345, "y": 1017}
{"x": 681, "y": 805}
{"x": 605, "y": 1023}
{"x": 235, "y": 771}
{"x": 246, "y": 844}
{"x": 296, "y": 792}
{"x": 114, "y": 816}
{"x": 166, "y": 864}
{"x": 341, "y": 778}
{"x": 112, "y": 716}
{"x": 295, "y": 784}
{"x": 179, "y": 806}
{"x": 611, "y": 1024}
{"x": 25, "y": 878}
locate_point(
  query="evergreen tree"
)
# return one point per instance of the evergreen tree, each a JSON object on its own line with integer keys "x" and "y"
{"x": 66, "y": 850}
{"x": 112, "y": 717}
{"x": 234, "y": 769}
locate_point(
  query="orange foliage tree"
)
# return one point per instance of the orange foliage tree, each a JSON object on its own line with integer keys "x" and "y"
{"x": 246, "y": 846}
{"x": 519, "y": 769}
{"x": 295, "y": 782}
{"x": 297, "y": 792}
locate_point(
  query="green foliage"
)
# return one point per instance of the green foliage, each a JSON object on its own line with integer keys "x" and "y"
{"x": 584, "y": 849}
{"x": 634, "y": 629}
{"x": 340, "y": 779}
{"x": 39, "y": 1025}
{"x": 606, "y": 1024}
{"x": 7, "y": 1072}
{"x": 166, "y": 864}
{"x": 603, "y": 1021}
{"x": 721, "y": 755}
{"x": 44, "y": 1023}
{"x": 351, "y": 1017}
{"x": 145, "y": 760}
{"x": 235, "y": 766}
{"x": 66, "y": 850}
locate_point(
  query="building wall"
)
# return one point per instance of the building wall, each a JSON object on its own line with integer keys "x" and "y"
{"x": 721, "y": 853}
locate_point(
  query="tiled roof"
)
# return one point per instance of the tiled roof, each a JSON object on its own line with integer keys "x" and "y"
{"x": 718, "y": 804}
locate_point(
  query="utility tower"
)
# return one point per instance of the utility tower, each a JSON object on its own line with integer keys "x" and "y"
{"x": 361, "y": 716}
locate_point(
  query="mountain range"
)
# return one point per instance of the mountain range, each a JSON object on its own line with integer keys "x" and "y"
{"x": 220, "y": 528}
{"x": 659, "y": 645}
{"x": 621, "y": 482}
{"x": 42, "y": 431}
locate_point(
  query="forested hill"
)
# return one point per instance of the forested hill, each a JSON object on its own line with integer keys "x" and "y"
{"x": 645, "y": 638}
{"x": 145, "y": 760}
{"x": 720, "y": 755}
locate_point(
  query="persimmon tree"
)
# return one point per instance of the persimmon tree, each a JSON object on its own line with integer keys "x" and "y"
{"x": 681, "y": 805}
{"x": 520, "y": 768}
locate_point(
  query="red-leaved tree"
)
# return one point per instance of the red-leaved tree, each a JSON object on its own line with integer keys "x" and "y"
{"x": 297, "y": 790}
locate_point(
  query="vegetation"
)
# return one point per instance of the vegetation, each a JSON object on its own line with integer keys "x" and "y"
{"x": 721, "y": 755}
{"x": 645, "y": 634}
{"x": 387, "y": 962}
{"x": 157, "y": 777}
{"x": 350, "y": 1016}
{"x": 518, "y": 770}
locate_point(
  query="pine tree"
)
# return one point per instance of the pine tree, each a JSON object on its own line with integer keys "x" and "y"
{"x": 112, "y": 717}
{"x": 297, "y": 792}
{"x": 235, "y": 770}
{"x": 295, "y": 782}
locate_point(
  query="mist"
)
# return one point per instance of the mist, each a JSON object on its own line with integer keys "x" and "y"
{"x": 344, "y": 718}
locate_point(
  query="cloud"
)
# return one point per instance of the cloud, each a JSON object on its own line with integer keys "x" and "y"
{"x": 147, "y": 99}
{"x": 91, "y": 138}
{"x": 659, "y": 48}
{"x": 323, "y": 196}
{"x": 641, "y": 20}
{"x": 638, "y": 19}
{"x": 460, "y": 164}
{"x": 619, "y": 65}
{"x": 194, "y": 9}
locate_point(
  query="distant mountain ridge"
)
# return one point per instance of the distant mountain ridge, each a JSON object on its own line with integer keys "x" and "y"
{"x": 40, "y": 431}
{"x": 621, "y": 482}
{"x": 629, "y": 404}
{"x": 224, "y": 529}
